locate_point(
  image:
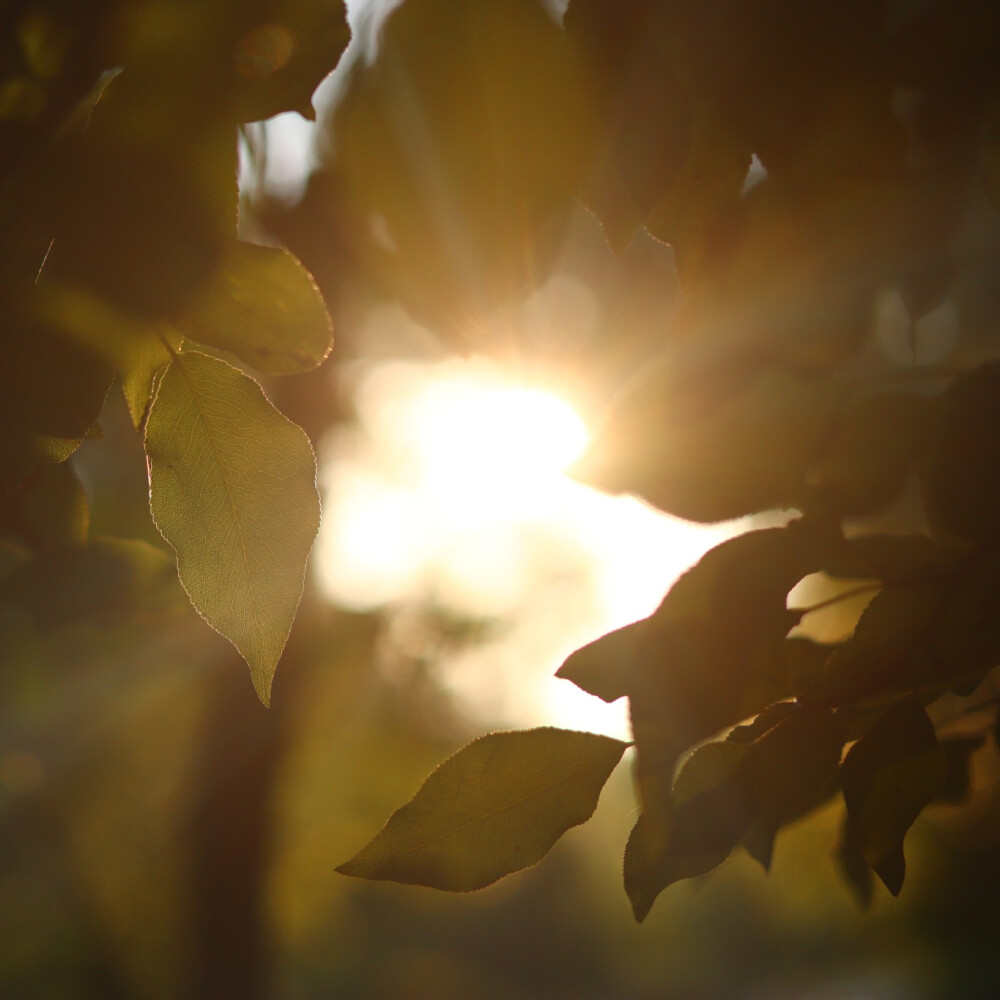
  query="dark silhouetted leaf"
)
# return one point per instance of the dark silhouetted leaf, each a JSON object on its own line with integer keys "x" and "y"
{"x": 649, "y": 868}
{"x": 762, "y": 436}
{"x": 232, "y": 488}
{"x": 961, "y": 478}
{"x": 958, "y": 751}
{"x": 263, "y": 306}
{"x": 889, "y": 558}
{"x": 875, "y": 445}
{"x": 712, "y": 654}
{"x": 641, "y": 132}
{"x": 791, "y": 769}
{"x": 51, "y": 393}
{"x": 279, "y": 62}
{"x": 495, "y": 807}
{"x": 603, "y": 667}
{"x": 888, "y": 777}
{"x": 890, "y": 649}
{"x": 468, "y": 168}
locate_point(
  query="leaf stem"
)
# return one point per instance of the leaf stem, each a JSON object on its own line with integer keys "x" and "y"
{"x": 845, "y": 595}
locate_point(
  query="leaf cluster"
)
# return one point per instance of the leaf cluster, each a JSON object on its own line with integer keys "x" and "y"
{"x": 122, "y": 264}
{"x": 768, "y": 394}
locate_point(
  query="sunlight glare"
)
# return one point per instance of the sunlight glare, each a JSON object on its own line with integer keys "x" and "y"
{"x": 451, "y": 492}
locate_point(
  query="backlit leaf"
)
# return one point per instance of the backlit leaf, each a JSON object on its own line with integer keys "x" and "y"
{"x": 495, "y": 807}
{"x": 232, "y": 488}
{"x": 263, "y": 306}
{"x": 888, "y": 777}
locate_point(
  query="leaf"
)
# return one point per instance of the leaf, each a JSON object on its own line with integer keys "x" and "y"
{"x": 889, "y": 558}
{"x": 278, "y": 63}
{"x": 890, "y": 648}
{"x": 232, "y": 488}
{"x": 495, "y": 807}
{"x": 961, "y": 477}
{"x": 107, "y": 583}
{"x": 602, "y": 667}
{"x": 888, "y": 777}
{"x": 641, "y": 132}
{"x": 263, "y": 306}
{"x": 876, "y": 443}
{"x": 146, "y": 359}
{"x": 51, "y": 393}
{"x": 705, "y": 450}
{"x": 958, "y": 751}
{"x": 649, "y": 868}
{"x": 468, "y": 167}
{"x": 712, "y": 653}
{"x": 791, "y": 769}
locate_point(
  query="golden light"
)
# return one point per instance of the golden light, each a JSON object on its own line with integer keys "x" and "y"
{"x": 451, "y": 491}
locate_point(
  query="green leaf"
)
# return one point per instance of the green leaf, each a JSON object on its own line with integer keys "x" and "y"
{"x": 145, "y": 360}
{"x": 888, "y": 777}
{"x": 495, "y": 807}
{"x": 108, "y": 582}
{"x": 232, "y": 488}
{"x": 263, "y": 306}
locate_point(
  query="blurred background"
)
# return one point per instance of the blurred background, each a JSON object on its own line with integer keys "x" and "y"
{"x": 162, "y": 835}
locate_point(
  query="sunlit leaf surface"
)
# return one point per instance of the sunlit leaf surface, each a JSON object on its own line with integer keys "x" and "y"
{"x": 232, "y": 488}
{"x": 495, "y": 807}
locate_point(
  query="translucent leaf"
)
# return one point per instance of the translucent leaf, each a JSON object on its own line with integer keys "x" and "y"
{"x": 262, "y": 305}
{"x": 888, "y": 777}
{"x": 232, "y": 488}
{"x": 495, "y": 807}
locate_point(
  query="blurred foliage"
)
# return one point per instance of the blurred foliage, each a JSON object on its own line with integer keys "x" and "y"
{"x": 826, "y": 179}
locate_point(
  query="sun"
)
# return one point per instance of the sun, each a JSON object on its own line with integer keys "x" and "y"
{"x": 452, "y": 491}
